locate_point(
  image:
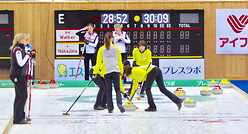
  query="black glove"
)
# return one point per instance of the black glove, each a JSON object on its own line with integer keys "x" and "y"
{"x": 125, "y": 95}
{"x": 86, "y": 41}
{"x": 134, "y": 63}
{"x": 32, "y": 53}
{"x": 94, "y": 76}
{"x": 120, "y": 40}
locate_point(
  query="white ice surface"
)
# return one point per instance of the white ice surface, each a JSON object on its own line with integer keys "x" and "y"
{"x": 216, "y": 114}
{"x": 6, "y": 107}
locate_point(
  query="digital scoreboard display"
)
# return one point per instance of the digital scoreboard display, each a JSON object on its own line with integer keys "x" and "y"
{"x": 168, "y": 33}
{"x": 6, "y": 37}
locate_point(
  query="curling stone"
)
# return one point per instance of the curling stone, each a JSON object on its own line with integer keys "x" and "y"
{"x": 205, "y": 92}
{"x": 189, "y": 103}
{"x": 217, "y": 90}
{"x": 180, "y": 95}
{"x": 37, "y": 85}
{"x": 53, "y": 84}
{"x": 44, "y": 85}
{"x": 225, "y": 83}
{"x": 129, "y": 106}
{"x": 179, "y": 89}
{"x": 213, "y": 83}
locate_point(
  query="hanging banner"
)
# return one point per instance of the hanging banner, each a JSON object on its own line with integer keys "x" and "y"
{"x": 231, "y": 31}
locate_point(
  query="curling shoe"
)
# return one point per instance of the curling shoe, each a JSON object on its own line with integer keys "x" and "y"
{"x": 28, "y": 119}
{"x": 21, "y": 122}
{"x": 151, "y": 109}
{"x": 105, "y": 107}
{"x": 179, "y": 104}
{"x": 99, "y": 108}
{"x": 142, "y": 95}
{"x": 121, "y": 108}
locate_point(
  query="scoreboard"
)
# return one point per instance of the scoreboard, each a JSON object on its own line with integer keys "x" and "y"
{"x": 6, "y": 37}
{"x": 168, "y": 33}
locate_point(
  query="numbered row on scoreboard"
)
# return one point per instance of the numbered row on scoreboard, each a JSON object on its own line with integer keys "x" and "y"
{"x": 152, "y": 35}
{"x": 162, "y": 50}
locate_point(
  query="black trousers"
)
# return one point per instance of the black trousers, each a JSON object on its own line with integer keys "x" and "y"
{"x": 124, "y": 56}
{"x": 115, "y": 78}
{"x": 20, "y": 82}
{"x": 101, "y": 95}
{"x": 156, "y": 74}
{"x": 143, "y": 88}
{"x": 87, "y": 58}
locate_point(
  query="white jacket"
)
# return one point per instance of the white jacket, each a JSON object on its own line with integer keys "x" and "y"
{"x": 93, "y": 41}
{"x": 121, "y": 40}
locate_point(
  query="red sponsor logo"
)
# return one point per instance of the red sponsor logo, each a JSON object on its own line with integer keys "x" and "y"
{"x": 67, "y": 32}
{"x": 236, "y": 24}
{"x": 67, "y": 37}
{"x": 242, "y": 40}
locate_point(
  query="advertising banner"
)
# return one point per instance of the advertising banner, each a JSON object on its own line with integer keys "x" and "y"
{"x": 66, "y": 35}
{"x": 231, "y": 31}
{"x": 182, "y": 69}
{"x": 67, "y": 49}
{"x": 67, "y": 69}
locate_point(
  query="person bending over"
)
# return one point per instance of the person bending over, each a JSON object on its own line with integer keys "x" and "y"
{"x": 149, "y": 74}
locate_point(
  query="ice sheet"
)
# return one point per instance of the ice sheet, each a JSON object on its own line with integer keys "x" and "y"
{"x": 215, "y": 114}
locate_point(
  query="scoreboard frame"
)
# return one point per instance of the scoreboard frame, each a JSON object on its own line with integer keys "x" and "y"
{"x": 169, "y": 34}
{"x": 6, "y": 36}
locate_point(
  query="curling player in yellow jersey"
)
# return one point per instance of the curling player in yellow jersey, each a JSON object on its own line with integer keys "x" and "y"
{"x": 98, "y": 79}
{"x": 149, "y": 75}
{"x": 141, "y": 57}
{"x": 109, "y": 57}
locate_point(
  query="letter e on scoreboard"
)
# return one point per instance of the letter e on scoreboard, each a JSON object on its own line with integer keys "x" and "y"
{"x": 61, "y": 18}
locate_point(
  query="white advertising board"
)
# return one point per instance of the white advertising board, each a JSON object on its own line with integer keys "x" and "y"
{"x": 182, "y": 69}
{"x": 67, "y": 69}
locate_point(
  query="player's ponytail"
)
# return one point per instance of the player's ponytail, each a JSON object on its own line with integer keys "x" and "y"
{"x": 18, "y": 37}
{"x": 107, "y": 38}
{"x": 128, "y": 70}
